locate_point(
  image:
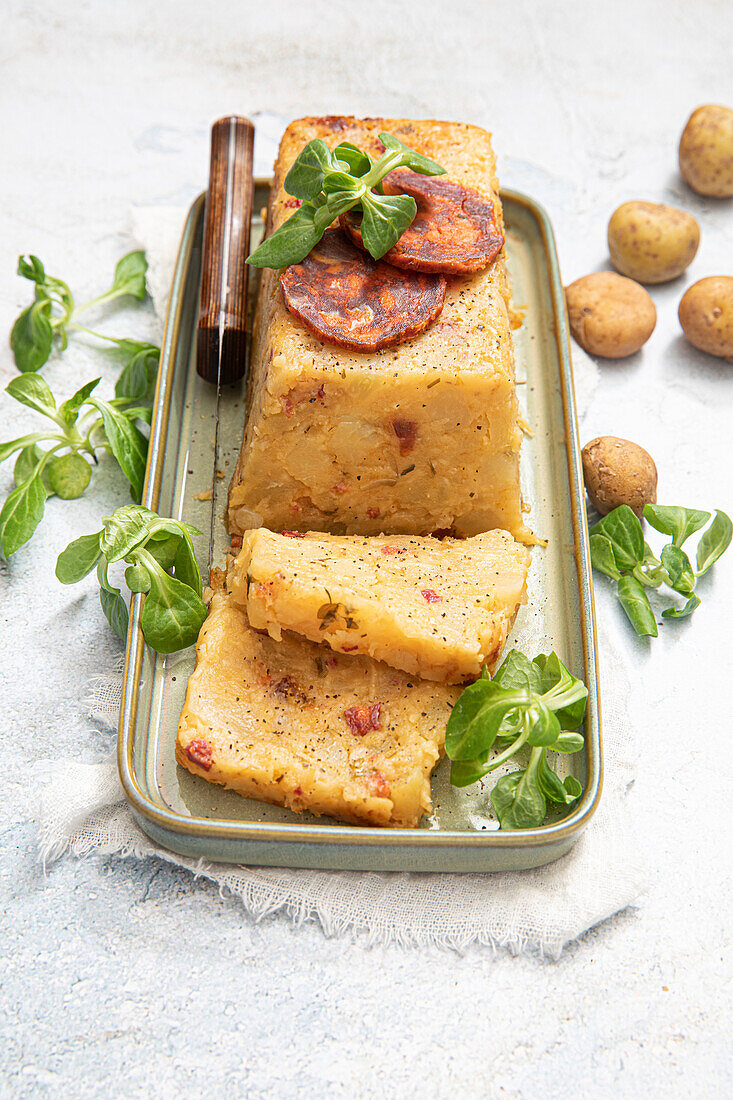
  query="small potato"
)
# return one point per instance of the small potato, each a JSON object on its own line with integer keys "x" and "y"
{"x": 706, "y": 151}
{"x": 706, "y": 315}
{"x": 609, "y": 315}
{"x": 617, "y": 472}
{"x": 651, "y": 242}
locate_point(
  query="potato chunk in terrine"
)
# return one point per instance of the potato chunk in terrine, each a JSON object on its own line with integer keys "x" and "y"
{"x": 439, "y": 610}
{"x": 293, "y": 723}
{"x": 411, "y": 439}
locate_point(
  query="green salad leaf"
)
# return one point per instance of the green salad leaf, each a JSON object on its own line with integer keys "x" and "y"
{"x": 21, "y": 513}
{"x": 31, "y": 337}
{"x": 130, "y": 276}
{"x": 673, "y": 612}
{"x": 127, "y": 443}
{"x": 33, "y": 391}
{"x": 622, "y": 530}
{"x": 140, "y": 372}
{"x": 78, "y": 559}
{"x": 518, "y": 798}
{"x": 680, "y": 523}
{"x": 310, "y": 168}
{"x": 714, "y": 542}
{"x": 69, "y": 475}
{"x": 635, "y": 602}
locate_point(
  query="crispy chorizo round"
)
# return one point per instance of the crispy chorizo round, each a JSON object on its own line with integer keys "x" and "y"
{"x": 454, "y": 230}
{"x": 345, "y": 297}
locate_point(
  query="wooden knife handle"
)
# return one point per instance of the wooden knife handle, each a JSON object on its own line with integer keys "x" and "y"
{"x": 222, "y": 327}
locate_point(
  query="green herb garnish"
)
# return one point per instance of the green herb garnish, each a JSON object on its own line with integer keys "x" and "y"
{"x": 161, "y": 563}
{"x": 53, "y": 315}
{"x": 537, "y": 704}
{"x": 331, "y": 182}
{"x": 618, "y": 550}
{"x": 56, "y": 461}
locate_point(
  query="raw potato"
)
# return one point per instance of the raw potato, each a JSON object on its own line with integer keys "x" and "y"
{"x": 706, "y": 151}
{"x": 617, "y": 472}
{"x": 652, "y": 242}
{"x": 610, "y": 315}
{"x": 706, "y": 315}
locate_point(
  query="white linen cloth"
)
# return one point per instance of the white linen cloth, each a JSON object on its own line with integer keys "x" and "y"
{"x": 83, "y": 808}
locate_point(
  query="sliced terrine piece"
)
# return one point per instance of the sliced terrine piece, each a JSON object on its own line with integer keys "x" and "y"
{"x": 438, "y": 609}
{"x": 411, "y": 439}
{"x": 295, "y": 724}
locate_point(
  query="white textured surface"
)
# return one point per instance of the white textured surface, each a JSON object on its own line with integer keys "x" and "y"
{"x": 122, "y": 978}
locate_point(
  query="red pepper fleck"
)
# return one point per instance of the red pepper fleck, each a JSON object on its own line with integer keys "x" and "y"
{"x": 200, "y": 752}
{"x": 292, "y": 534}
{"x": 430, "y": 596}
{"x": 349, "y": 648}
{"x": 406, "y": 432}
{"x": 331, "y": 662}
{"x": 291, "y": 204}
{"x": 340, "y": 488}
{"x": 372, "y": 513}
{"x": 293, "y": 398}
{"x": 236, "y": 542}
{"x": 289, "y": 689}
{"x": 379, "y": 784}
{"x": 333, "y": 122}
{"x": 361, "y": 720}
{"x": 394, "y": 550}
{"x": 298, "y": 790}
{"x": 458, "y": 330}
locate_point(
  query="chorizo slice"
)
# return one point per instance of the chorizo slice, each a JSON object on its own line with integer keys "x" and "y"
{"x": 454, "y": 231}
{"x": 345, "y": 297}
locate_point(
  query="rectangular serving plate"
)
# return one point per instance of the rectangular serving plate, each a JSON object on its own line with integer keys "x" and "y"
{"x": 192, "y": 817}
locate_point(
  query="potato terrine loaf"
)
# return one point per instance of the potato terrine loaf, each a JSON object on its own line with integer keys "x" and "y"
{"x": 439, "y": 610}
{"x": 296, "y": 724}
{"x": 411, "y": 439}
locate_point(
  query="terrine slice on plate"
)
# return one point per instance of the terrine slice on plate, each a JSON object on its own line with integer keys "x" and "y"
{"x": 296, "y": 724}
{"x": 438, "y": 609}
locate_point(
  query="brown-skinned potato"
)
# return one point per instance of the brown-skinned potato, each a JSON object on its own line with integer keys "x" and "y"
{"x": 706, "y": 315}
{"x": 609, "y": 315}
{"x": 652, "y": 242}
{"x": 706, "y": 151}
{"x": 617, "y": 471}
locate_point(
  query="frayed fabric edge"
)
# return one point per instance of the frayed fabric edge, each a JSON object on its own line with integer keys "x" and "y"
{"x": 377, "y": 933}
{"x": 91, "y": 699}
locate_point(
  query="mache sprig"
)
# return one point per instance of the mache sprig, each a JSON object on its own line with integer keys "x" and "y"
{"x": 331, "y": 182}
{"x": 535, "y": 704}
{"x": 160, "y": 563}
{"x": 54, "y": 313}
{"x": 619, "y": 551}
{"x": 58, "y": 460}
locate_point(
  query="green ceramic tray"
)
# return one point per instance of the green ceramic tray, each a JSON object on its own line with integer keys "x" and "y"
{"x": 195, "y": 818}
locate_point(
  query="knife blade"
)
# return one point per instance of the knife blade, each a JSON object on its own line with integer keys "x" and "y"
{"x": 221, "y": 339}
